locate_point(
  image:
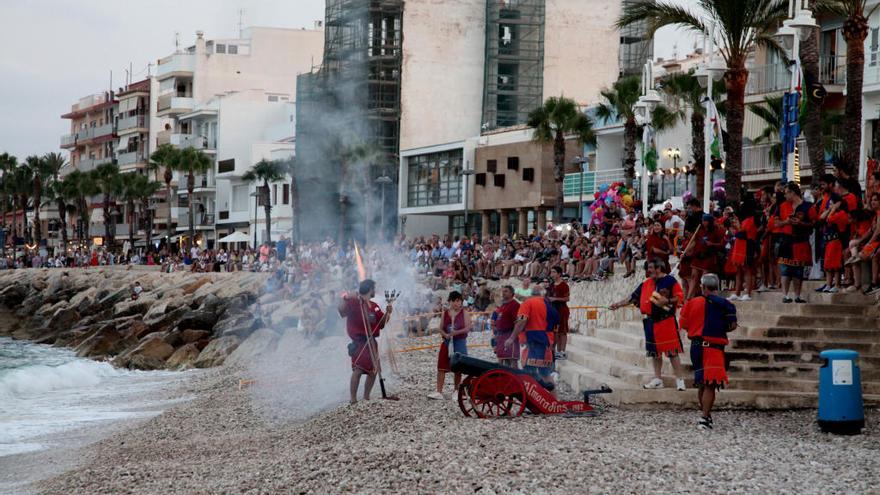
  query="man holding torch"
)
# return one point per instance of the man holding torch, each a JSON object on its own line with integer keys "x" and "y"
{"x": 363, "y": 322}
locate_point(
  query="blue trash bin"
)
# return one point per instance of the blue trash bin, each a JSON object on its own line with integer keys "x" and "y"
{"x": 840, "y": 393}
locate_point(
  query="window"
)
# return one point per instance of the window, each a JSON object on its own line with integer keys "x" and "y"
{"x": 874, "y": 45}
{"x": 434, "y": 178}
{"x": 232, "y": 49}
{"x": 286, "y": 194}
{"x": 224, "y": 166}
{"x": 491, "y": 166}
{"x": 220, "y": 48}
{"x": 498, "y": 179}
{"x": 512, "y": 163}
{"x": 240, "y": 196}
{"x": 274, "y": 194}
{"x": 480, "y": 179}
{"x": 273, "y": 97}
{"x": 529, "y": 174}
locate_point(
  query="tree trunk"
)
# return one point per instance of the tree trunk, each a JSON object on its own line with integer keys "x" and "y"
{"x": 62, "y": 215}
{"x": 855, "y": 30}
{"x": 267, "y": 209}
{"x": 148, "y": 227}
{"x": 38, "y": 196}
{"x": 809, "y": 50}
{"x": 294, "y": 213}
{"x": 559, "y": 175}
{"x": 108, "y": 240}
{"x": 131, "y": 223}
{"x": 630, "y": 131}
{"x": 24, "y": 229}
{"x": 735, "y": 80}
{"x": 168, "y": 178}
{"x": 190, "y": 186}
{"x": 698, "y": 151}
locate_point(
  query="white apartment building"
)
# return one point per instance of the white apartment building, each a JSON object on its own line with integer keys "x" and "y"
{"x": 262, "y": 64}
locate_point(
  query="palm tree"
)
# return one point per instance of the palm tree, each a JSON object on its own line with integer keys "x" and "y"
{"x": 146, "y": 188}
{"x": 165, "y": 156}
{"x": 22, "y": 187}
{"x": 289, "y": 167}
{"x": 684, "y": 93}
{"x": 129, "y": 194}
{"x": 265, "y": 171}
{"x": 191, "y": 162}
{"x": 855, "y": 31}
{"x": 80, "y": 187}
{"x": 108, "y": 181}
{"x": 54, "y": 162}
{"x": 812, "y": 118}
{"x": 7, "y": 166}
{"x": 556, "y": 118}
{"x": 619, "y": 103}
{"x": 743, "y": 25}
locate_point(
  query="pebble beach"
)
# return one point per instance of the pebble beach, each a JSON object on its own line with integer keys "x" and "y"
{"x": 225, "y": 441}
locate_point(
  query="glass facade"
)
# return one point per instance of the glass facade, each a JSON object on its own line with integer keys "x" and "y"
{"x": 434, "y": 179}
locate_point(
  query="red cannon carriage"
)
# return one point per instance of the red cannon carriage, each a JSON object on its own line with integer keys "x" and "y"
{"x": 491, "y": 390}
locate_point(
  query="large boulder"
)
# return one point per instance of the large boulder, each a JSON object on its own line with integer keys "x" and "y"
{"x": 254, "y": 347}
{"x": 63, "y": 318}
{"x": 150, "y": 354}
{"x": 166, "y": 320}
{"x": 12, "y": 295}
{"x": 82, "y": 301}
{"x": 192, "y": 335}
{"x": 198, "y": 319}
{"x": 183, "y": 358}
{"x": 195, "y": 285}
{"x": 105, "y": 342}
{"x": 157, "y": 310}
{"x": 217, "y": 351}
{"x": 240, "y": 324}
{"x": 138, "y": 306}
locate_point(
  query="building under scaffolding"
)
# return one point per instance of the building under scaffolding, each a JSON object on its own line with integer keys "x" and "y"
{"x": 514, "y": 81}
{"x": 636, "y": 46}
{"x": 348, "y": 118}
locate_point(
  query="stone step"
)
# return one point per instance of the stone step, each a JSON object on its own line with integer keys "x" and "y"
{"x": 811, "y": 297}
{"x": 777, "y": 308}
{"x": 759, "y": 319}
{"x": 631, "y": 355}
{"x": 813, "y": 345}
{"x": 617, "y": 336}
{"x": 628, "y": 395}
{"x": 827, "y": 334}
{"x": 797, "y": 371}
{"x": 756, "y": 357}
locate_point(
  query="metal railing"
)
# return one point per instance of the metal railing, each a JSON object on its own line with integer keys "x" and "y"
{"x": 174, "y": 100}
{"x": 87, "y": 164}
{"x": 86, "y": 134}
{"x": 768, "y": 79}
{"x": 756, "y": 160}
{"x": 131, "y": 122}
{"x": 191, "y": 141}
{"x": 179, "y": 62}
{"x": 131, "y": 158}
{"x": 200, "y": 220}
{"x": 832, "y": 69}
{"x": 590, "y": 181}
{"x": 872, "y": 68}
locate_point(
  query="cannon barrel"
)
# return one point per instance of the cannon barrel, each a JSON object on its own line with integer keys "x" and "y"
{"x": 471, "y": 366}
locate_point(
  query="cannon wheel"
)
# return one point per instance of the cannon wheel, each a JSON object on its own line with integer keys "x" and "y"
{"x": 464, "y": 396}
{"x": 498, "y": 393}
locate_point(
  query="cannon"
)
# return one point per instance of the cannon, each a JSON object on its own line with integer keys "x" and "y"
{"x": 490, "y": 390}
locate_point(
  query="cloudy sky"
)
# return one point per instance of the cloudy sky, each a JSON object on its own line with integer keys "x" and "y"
{"x": 52, "y": 52}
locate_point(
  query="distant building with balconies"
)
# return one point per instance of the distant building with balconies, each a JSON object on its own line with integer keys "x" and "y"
{"x": 92, "y": 131}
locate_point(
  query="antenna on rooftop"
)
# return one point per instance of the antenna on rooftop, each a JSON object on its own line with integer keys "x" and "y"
{"x": 240, "y": 22}
{"x": 176, "y": 41}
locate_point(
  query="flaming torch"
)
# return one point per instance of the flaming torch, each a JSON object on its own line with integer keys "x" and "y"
{"x": 362, "y": 271}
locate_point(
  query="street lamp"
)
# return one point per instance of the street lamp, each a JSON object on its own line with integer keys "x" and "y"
{"x": 582, "y": 162}
{"x": 675, "y": 155}
{"x": 643, "y": 108}
{"x": 382, "y": 181}
{"x": 708, "y": 72}
{"x": 467, "y": 173}
{"x": 255, "y": 195}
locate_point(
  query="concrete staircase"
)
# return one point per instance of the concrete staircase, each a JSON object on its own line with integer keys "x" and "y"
{"x": 774, "y": 354}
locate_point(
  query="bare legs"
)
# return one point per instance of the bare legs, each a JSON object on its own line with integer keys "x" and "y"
{"x": 706, "y": 396}
{"x": 441, "y": 379}
{"x": 355, "y": 382}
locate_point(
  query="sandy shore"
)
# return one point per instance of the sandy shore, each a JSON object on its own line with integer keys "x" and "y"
{"x": 225, "y": 442}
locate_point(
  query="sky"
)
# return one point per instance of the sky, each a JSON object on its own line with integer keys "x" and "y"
{"x": 53, "y": 52}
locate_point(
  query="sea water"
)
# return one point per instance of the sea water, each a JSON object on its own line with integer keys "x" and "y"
{"x": 47, "y": 391}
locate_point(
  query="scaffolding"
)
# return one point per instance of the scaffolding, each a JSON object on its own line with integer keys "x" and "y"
{"x": 514, "y": 61}
{"x": 352, "y": 98}
{"x": 635, "y": 46}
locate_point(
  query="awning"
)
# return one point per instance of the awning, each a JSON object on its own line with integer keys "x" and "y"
{"x": 123, "y": 144}
{"x": 127, "y": 105}
{"x": 235, "y": 237}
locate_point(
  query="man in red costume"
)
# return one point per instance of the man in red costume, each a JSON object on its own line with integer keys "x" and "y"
{"x": 363, "y": 321}
{"x": 658, "y": 298}
{"x": 707, "y": 320}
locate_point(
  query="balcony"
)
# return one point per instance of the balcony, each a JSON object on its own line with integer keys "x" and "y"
{"x": 134, "y": 122}
{"x": 872, "y": 72}
{"x": 768, "y": 79}
{"x": 191, "y": 141}
{"x": 203, "y": 183}
{"x": 173, "y": 104}
{"x": 131, "y": 158}
{"x": 88, "y": 164}
{"x": 179, "y": 64}
{"x": 83, "y": 136}
{"x": 756, "y": 160}
{"x": 202, "y": 221}
{"x": 832, "y": 70}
